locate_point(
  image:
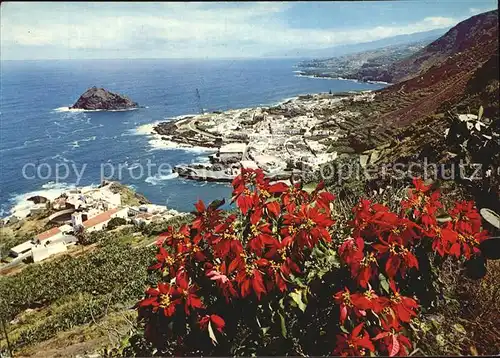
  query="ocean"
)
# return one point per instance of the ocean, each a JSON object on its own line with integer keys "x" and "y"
{"x": 37, "y": 132}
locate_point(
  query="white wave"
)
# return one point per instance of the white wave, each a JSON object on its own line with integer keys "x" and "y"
{"x": 379, "y": 82}
{"x": 67, "y": 109}
{"x": 75, "y": 144}
{"x": 21, "y": 205}
{"x": 88, "y": 139}
{"x": 144, "y": 129}
{"x": 78, "y": 110}
{"x": 61, "y": 158}
{"x": 157, "y": 143}
{"x": 156, "y": 179}
{"x": 202, "y": 159}
{"x": 182, "y": 116}
{"x": 86, "y": 129}
{"x": 324, "y": 78}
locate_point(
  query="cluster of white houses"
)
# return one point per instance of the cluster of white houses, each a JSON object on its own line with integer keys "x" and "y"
{"x": 88, "y": 209}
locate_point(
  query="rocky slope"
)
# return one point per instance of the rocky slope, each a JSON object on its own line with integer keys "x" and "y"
{"x": 468, "y": 34}
{"x": 100, "y": 99}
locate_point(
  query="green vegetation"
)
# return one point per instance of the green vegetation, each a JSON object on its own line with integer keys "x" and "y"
{"x": 70, "y": 291}
{"x": 116, "y": 222}
{"x": 82, "y": 287}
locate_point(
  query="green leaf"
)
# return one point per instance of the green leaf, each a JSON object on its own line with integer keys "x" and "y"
{"x": 211, "y": 333}
{"x": 443, "y": 218}
{"x": 480, "y": 114}
{"x": 491, "y": 217}
{"x": 363, "y": 160}
{"x": 459, "y": 328}
{"x": 384, "y": 283}
{"x": 440, "y": 340}
{"x": 374, "y": 156}
{"x": 283, "y": 325}
{"x": 297, "y": 298}
{"x": 282, "y": 303}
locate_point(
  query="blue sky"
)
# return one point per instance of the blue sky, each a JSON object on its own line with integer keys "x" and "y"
{"x": 74, "y": 30}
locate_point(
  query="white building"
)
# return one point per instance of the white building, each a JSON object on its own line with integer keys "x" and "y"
{"x": 48, "y": 235}
{"x": 41, "y": 252}
{"x": 232, "y": 150}
{"x": 100, "y": 221}
{"x": 22, "y": 248}
{"x": 76, "y": 219}
{"x": 249, "y": 164}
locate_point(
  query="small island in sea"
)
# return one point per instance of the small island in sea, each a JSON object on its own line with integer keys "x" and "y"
{"x": 101, "y": 99}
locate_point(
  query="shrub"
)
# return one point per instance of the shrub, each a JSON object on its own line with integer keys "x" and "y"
{"x": 284, "y": 276}
{"x": 115, "y": 222}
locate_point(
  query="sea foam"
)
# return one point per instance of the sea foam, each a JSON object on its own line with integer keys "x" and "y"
{"x": 156, "y": 179}
{"x": 77, "y": 110}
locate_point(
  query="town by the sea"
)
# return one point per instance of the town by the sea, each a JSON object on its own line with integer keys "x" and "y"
{"x": 37, "y": 127}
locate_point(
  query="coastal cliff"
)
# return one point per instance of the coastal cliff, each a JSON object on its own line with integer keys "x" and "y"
{"x": 100, "y": 99}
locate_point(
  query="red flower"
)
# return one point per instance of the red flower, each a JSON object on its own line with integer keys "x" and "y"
{"x": 398, "y": 256}
{"x": 172, "y": 237}
{"x": 465, "y": 217}
{"x": 344, "y": 299}
{"x": 291, "y": 196}
{"x": 307, "y": 227}
{"x": 220, "y": 274}
{"x": 225, "y": 240}
{"x": 187, "y": 292}
{"x": 367, "y": 300}
{"x": 354, "y": 344}
{"x": 248, "y": 278}
{"x": 467, "y": 244}
{"x": 213, "y": 319}
{"x": 206, "y": 218}
{"x": 274, "y": 208}
{"x": 351, "y": 250}
{"x": 398, "y": 307}
{"x": 259, "y": 234}
{"x": 165, "y": 297}
{"x": 246, "y": 198}
{"x": 164, "y": 261}
{"x": 395, "y": 344}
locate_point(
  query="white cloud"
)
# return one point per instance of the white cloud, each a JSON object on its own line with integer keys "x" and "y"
{"x": 249, "y": 29}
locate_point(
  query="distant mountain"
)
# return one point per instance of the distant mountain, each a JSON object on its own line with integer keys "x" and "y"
{"x": 399, "y": 63}
{"x": 362, "y": 66}
{"x": 341, "y": 50}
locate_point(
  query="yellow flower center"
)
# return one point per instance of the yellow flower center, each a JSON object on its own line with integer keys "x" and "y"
{"x": 164, "y": 300}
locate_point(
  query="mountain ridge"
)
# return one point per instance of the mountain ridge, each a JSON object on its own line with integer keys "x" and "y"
{"x": 342, "y": 50}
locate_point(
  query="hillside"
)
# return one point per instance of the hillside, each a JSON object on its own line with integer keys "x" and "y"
{"x": 468, "y": 34}
{"x": 465, "y": 79}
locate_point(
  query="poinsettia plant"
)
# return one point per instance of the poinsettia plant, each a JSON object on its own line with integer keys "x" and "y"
{"x": 278, "y": 276}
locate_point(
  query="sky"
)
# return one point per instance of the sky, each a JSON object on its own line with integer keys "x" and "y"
{"x": 103, "y": 30}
